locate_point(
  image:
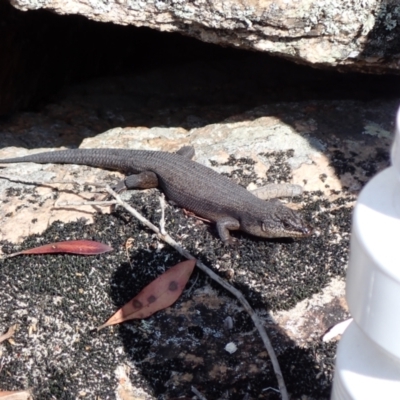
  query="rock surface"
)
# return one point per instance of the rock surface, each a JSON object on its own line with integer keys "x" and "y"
{"x": 330, "y": 146}
{"x": 358, "y": 36}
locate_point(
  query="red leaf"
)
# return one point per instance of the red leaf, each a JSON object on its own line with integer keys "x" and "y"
{"x": 85, "y": 247}
{"x": 159, "y": 294}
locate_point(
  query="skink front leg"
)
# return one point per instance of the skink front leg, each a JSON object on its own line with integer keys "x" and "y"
{"x": 186, "y": 151}
{"x": 226, "y": 224}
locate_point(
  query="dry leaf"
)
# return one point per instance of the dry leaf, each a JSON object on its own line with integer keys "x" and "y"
{"x": 336, "y": 330}
{"x": 9, "y": 333}
{"x": 159, "y": 294}
{"x": 16, "y": 395}
{"x": 84, "y": 247}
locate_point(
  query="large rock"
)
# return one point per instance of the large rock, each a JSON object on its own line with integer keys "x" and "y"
{"x": 359, "y": 35}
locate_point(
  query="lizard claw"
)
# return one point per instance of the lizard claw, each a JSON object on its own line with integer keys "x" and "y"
{"x": 231, "y": 241}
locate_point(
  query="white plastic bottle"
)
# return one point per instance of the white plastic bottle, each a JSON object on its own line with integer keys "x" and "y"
{"x": 368, "y": 355}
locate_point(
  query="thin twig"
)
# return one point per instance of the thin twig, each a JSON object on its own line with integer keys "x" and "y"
{"x": 44, "y": 183}
{"x": 168, "y": 239}
{"x": 256, "y": 320}
{"x": 85, "y": 203}
{"x": 162, "y": 219}
{"x": 270, "y": 388}
{"x": 197, "y": 393}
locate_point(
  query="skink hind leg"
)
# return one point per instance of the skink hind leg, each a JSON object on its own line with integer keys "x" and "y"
{"x": 272, "y": 191}
{"x": 143, "y": 180}
{"x": 224, "y": 225}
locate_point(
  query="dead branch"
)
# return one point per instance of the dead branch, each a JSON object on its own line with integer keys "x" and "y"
{"x": 256, "y": 320}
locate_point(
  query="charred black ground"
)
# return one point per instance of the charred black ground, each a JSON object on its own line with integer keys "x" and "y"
{"x": 67, "y": 296}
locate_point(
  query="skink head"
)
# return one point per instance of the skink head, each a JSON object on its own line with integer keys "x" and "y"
{"x": 276, "y": 221}
{"x": 285, "y": 222}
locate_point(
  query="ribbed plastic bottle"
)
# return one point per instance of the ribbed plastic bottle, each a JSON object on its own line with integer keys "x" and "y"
{"x": 368, "y": 355}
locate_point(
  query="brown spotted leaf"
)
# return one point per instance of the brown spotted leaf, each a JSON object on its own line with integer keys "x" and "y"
{"x": 159, "y": 294}
{"x": 84, "y": 247}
